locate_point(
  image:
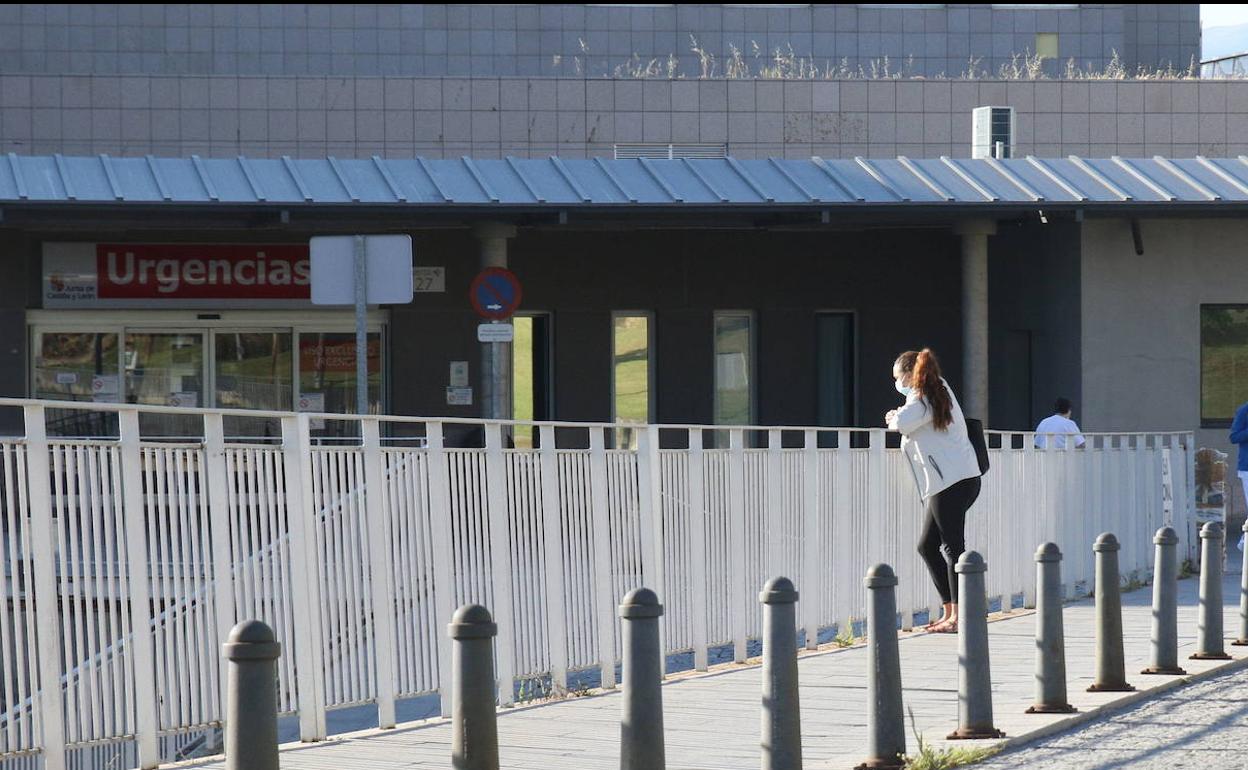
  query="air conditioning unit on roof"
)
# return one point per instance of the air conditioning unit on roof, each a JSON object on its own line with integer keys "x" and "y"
{"x": 657, "y": 151}
{"x": 992, "y": 132}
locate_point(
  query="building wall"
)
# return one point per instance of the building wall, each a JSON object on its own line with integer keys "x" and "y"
{"x": 901, "y": 284}
{"x": 551, "y": 40}
{"x": 1034, "y": 320}
{"x": 1141, "y": 319}
{"x": 683, "y": 276}
{"x": 490, "y": 117}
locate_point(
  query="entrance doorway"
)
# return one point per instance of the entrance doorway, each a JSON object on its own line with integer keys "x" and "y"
{"x": 531, "y": 359}
{"x": 232, "y": 361}
{"x": 834, "y": 375}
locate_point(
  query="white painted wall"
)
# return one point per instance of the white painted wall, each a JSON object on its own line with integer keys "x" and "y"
{"x": 1141, "y": 320}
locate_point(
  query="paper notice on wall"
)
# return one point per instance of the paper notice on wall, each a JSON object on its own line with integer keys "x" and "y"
{"x": 459, "y": 396}
{"x": 313, "y": 402}
{"x": 187, "y": 399}
{"x": 459, "y": 374}
{"x": 105, "y": 388}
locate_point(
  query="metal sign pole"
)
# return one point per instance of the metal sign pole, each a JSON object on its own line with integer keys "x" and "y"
{"x": 361, "y": 327}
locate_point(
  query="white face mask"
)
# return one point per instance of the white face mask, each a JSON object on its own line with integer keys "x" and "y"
{"x": 902, "y": 389}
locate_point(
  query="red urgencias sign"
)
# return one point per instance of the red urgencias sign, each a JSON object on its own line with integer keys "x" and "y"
{"x": 198, "y": 271}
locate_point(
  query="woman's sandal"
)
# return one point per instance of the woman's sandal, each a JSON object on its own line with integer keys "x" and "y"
{"x": 947, "y": 627}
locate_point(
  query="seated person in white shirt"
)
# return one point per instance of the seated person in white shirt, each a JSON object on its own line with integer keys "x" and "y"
{"x": 1058, "y": 423}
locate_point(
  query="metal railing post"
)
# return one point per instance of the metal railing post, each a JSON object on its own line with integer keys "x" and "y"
{"x": 845, "y": 546}
{"x": 812, "y": 538}
{"x": 250, "y": 721}
{"x": 141, "y": 608}
{"x": 46, "y": 587}
{"x": 875, "y": 492}
{"x": 552, "y": 534}
{"x": 775, "y": 530}
{"x": 1057, "y": 528}
{"x": 500, "y": 560}
{"x": 443, "y": 553}
{"x": 736, "y": 544}
{"x": 604, "y": 599}
{"x": 697, "y": 548}
{"x": 305, "y": 577}
{"x": 221, "y": 524}
{"x": 376, "y": 509}
{"x": 650, "y": 493}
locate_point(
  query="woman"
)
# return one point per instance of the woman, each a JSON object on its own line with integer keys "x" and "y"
{"x": 934, "y": 439}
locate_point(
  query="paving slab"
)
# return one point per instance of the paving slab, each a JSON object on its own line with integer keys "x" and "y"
{"x": 713, "y": 719}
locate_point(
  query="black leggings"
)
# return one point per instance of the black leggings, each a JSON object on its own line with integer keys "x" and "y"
{"x": 944, "y": 534}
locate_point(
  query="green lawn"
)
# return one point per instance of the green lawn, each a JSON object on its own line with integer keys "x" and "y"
{"x": 632, "y": 369}
{"x": 522, "y": 378}
{"x": 1223, "y": 380}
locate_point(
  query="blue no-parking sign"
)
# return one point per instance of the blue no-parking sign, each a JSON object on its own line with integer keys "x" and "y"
{"x": 495, "y": 293}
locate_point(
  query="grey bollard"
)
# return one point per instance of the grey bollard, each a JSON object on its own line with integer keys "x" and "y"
{"x": 1209, "y": 615}
{"x": 474, "y": 721}
{"x": 782, "y": 720}
{"x": 1242, "y": 641}
{"x": 886, "y": 728}
{"x": 641, "y": 730}
{"x": 1050, "y": 635}
{"x": 974, "y": 674}
{"x": 251, "y": 702}
{"x": 1165, "y": 642}
{"x": 1111, "y": 673}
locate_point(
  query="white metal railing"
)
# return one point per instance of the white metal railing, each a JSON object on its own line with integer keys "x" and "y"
{"x": 357, "y": 553}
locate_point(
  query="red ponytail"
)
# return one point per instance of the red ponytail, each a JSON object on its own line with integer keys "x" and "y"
{"x": 924, "y": 371}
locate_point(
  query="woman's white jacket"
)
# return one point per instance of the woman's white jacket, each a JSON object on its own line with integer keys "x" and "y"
{"x": 940, "y": 458}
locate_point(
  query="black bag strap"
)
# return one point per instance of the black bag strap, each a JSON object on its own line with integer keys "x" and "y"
{"x": 975, "y": 432}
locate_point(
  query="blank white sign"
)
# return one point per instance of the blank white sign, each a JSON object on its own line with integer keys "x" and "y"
{"x": 389, "y": 265}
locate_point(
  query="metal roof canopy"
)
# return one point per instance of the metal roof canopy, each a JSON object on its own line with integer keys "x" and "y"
{"x": 522, "y": 184}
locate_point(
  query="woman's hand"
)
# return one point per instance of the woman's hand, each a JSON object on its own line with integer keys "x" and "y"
{"x": 888, "y": 417}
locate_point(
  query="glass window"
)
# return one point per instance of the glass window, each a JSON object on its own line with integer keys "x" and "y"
{"x": 522, "y": 379}
{"x": 78, "y": 366}
{"x": 1223, "y": 362}
{"x": 253, "y": 370}
{"x": 630, "y": 374}
{"x": 734, "y": 369}
{"x": 165, "y": 368}
{"x": 530, "y": 370}
{"x": 327, "y": 372}
{"x": 1046, "y": 45}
